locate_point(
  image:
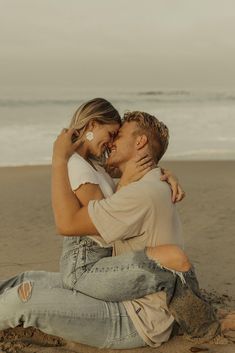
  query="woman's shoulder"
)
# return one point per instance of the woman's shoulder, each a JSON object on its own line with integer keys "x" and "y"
{"x": 79, "y": 163}
{"x": 80, "y": 172}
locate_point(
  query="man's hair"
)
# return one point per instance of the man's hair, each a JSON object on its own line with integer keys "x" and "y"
{"x": 155, "y": 130}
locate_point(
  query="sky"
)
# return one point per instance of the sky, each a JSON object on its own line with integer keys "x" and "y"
{"x": 124, "y": 43}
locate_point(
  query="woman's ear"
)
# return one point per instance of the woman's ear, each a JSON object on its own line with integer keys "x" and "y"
{"x": 91, "y": 125}
{"x": 141, "y": 141}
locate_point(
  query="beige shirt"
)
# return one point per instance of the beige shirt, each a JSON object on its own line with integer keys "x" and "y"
{"x": 139, "y": 215}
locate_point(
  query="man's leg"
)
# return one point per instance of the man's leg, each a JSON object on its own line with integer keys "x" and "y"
{"x": 68, "y": 314}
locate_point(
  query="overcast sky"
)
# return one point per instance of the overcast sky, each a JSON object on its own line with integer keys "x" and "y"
{"x": 118, "y": 43}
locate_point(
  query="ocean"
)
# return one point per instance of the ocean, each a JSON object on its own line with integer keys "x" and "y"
{"x": 201, "y": 123}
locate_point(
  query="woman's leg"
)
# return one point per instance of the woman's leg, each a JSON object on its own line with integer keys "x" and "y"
{"x": 90, "y": 269}
{"x": 79, "y": 254}
{"x": 68, "y": 314}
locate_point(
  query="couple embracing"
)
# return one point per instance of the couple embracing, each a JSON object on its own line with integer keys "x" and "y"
{"x": 124, "y": 278}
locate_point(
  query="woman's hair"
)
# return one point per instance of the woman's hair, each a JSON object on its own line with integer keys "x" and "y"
{"x": 97, "y": 109}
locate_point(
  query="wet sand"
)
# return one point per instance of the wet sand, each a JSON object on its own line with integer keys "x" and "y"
{"x": 29, "y": 242}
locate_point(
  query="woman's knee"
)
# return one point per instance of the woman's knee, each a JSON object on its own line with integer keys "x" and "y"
{"x": 170, "y": 256}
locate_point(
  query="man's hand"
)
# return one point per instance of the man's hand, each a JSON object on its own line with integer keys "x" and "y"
{"x": 63, "y": 147}
{"x": 177, "y": 192}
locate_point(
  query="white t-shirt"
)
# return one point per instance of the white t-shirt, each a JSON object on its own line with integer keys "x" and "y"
{"x": 81, "y": 172}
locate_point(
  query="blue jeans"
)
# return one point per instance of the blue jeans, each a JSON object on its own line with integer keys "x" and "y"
{"x": 75, "y": 316}
{"x": 89, "y": 269}
{"x": 65, "y": 313}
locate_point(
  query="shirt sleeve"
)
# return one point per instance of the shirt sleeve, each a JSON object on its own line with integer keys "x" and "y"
{"x": 80, "y": 173}
{"x": 120, "y": 216}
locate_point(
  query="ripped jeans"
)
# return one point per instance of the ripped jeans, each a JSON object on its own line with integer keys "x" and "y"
{"x": 90, "y": 269}
{"x": 39, "y": 299}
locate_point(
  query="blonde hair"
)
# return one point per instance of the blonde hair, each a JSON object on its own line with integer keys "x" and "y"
{"x": 97, "y": 109}
{"x": 156, "y": 131}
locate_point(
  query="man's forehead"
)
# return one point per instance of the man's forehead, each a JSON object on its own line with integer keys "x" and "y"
{"x": 127, "y": 126}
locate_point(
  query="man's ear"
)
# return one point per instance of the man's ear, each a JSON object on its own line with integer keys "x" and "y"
{"x": 141, "y": 141}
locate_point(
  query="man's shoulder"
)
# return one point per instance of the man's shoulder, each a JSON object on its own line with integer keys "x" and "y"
{"x": 153, "y": 186}
{"x": 153, "y": 174}
{"x": 152, "y": 182}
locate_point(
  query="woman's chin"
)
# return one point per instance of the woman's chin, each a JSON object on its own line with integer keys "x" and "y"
{"x": 97, "y": 153}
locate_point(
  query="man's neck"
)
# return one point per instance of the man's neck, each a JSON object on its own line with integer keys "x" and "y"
{"x": 122, "y": 166}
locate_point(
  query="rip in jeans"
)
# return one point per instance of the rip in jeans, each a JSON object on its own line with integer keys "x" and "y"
{"x": 25, "y": 291}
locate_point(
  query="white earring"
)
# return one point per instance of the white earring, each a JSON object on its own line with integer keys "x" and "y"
{"x": 89, "y": 136}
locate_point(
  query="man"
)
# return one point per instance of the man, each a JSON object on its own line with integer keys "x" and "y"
{"x": 140, "y": 215}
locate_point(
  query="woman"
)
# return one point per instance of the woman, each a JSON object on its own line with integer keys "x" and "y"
{"x": 87, "y": 259}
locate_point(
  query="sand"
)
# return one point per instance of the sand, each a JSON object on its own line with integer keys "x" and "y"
{"x": 29, "y": 242}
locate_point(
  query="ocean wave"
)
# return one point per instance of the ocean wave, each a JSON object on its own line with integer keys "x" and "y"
{"x": 165, "y": 93}
{"x": 203, "y": 154}
{"x": 171, "y": 96}
{"x": 179, "y": 96}
{"x": 38, "y": 102}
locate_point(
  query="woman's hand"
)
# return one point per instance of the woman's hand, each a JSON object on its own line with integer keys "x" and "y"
{"x": 135, "y": 169}
{"x": 63, "y": 147}
{"x": 177, "y": 192}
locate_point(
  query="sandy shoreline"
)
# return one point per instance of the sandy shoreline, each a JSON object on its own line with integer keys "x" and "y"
{"x": 28, "y": 240}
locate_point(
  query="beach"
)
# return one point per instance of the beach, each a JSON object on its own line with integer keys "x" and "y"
{"x": 29, "y": 242}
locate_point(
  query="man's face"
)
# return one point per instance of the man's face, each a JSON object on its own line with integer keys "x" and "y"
{"x": 124, "y": 145}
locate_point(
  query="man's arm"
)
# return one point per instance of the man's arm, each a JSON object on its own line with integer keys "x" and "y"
{"x": 70, "y": 217}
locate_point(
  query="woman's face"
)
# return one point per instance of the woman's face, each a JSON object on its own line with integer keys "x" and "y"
{"x": 103, "y": 137}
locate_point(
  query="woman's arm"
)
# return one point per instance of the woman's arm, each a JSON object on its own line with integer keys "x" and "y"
{"x": 138, "y": 167}
{"x": 177, "y": 192}
{"x": 135, "y": 169}
{"x": 142, "y": 164}
{"x": 87, "y": 192}
{"x": 70, "y": 218}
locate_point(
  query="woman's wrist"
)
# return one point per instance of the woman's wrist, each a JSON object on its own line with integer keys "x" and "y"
{"x": 58, "y": 161}
{"x": 123, "y": 181}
